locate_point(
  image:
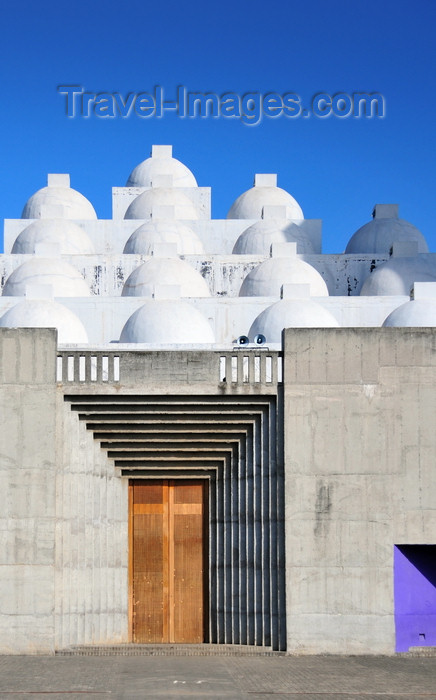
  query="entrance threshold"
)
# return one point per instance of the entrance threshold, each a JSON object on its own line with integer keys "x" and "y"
{"x": 168, "y": 650}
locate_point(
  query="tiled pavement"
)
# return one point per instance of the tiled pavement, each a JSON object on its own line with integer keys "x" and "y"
{"x": 218, "y": 677}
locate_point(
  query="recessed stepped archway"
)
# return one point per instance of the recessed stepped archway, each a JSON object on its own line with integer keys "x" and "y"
{"x": 231, "y": 441}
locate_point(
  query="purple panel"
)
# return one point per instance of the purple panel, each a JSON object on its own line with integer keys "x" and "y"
{"x": 415, "y": 595}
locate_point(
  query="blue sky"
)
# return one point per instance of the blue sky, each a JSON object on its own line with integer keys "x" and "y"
{"x": 337, "y": 168}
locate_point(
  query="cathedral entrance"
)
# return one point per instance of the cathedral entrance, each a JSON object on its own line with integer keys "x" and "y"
{"x": 168, "y": 560}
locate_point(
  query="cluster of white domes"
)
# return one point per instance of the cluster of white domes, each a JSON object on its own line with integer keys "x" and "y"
{"x": 163, "y": 195}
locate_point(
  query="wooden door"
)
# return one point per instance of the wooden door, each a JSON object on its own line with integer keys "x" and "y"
{"x": 167, "y": 556}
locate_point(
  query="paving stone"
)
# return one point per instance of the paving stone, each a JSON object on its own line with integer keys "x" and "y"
{"x": 218, "y": 677}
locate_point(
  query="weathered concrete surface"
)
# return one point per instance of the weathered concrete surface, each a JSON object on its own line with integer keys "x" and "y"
{"x": 27, "y": 488}
{"x": 91, "y": 577}
{"x": 360, "y": 415}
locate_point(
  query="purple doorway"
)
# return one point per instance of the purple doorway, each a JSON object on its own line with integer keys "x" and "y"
{"x": 415, "y": 595}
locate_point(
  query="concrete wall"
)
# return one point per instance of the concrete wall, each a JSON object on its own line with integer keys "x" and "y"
{"x": 27, "y": 490}
{"x": 91, "y": 574}
{"x": 359, "y": 442}
{"x": 360, "y": 412}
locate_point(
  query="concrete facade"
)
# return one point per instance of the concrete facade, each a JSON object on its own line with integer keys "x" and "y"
{"x": 28, "y": 487}
{"x": 316, "y": 443}
{"x": 356, "y": 410}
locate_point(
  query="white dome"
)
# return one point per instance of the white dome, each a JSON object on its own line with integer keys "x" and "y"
{"x": 258, "y": 238}
{"x": 58, "y": 200}
{"x": 167, "y": 322}
{"x": 418, "y": 313}
{"x": 164, "y": 231}
{"x": 70, "y": 237}
{"x": 165, "y": 271}
{"x": 64, "y": 278}
{"x": 379, "y": 235}
{"x": 397, "y": 276}
{"x": 290, "y": 313}
{"x": 32, "y": 313}
{"x": 266, "y": 279}
{"x": 144, "y": 173}
{"x": 250, "y": 204}
{"x": 142, "y": 206}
